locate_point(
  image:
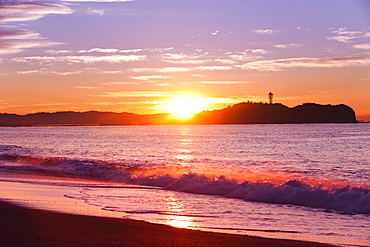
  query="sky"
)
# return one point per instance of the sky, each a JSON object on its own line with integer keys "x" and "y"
{"x": 145, "y": 56}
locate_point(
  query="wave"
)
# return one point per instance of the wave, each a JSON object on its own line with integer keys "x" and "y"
{"x": 344, "y": 200}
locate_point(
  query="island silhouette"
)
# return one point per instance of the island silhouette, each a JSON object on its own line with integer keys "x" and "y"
{"x": 242, "y": 113}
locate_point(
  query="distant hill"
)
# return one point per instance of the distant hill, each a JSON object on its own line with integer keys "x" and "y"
{"x": 83, "y": 118}
{"x": 260, "y": 113}
{"x": 242, "y": 113}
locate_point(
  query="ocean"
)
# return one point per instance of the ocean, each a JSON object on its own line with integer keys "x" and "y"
{"x": 291, "y": 181}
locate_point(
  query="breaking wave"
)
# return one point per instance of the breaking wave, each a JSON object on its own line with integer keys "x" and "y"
{"x": 344, "y": 200}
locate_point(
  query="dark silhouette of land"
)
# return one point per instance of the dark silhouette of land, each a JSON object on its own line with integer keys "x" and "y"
{"x": 260, "y": 113}
{"x": 242, "y": 113}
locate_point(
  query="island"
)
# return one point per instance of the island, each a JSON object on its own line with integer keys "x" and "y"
{"x": 242, "y": 113}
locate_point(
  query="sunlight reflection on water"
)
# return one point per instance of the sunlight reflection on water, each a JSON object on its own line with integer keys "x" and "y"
{"x": 220, "y": 156}
{"x": 175, "y": 219}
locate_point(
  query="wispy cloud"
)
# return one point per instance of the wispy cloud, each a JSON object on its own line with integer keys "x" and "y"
{"x": 91, "y": 11}
{"x": 94, "y": 50}
{"x": 149, "y": 77}
{"x": 344, "y": 35}
{"x": 160, "y": 49}
{"x": 16, "y": 40}
{"x": 240, "y": 57}
{"x": 247, "y": 55}
{"x": 362, "y": 46}
{"x": 181, "y": 58}
{"x": 51, "y": 71}
{"x": 264, "y": 31}
{"x": 257, "y": 51}
{"x": 54, "y": 52}
{"x": 10, "y": 47}
{"x": 163, "y": 84}
{"x": 131, "y": 50}
{"x": 221, "y": 82}
{"x": 18, "y": 34}
{"x": 86, "y": 87}
{"x": 135, "y": 94}
{"x": 98, "y": 1}
{"x": 15, "y": 11}
{"x": 289, "y": 63}
{"x": 177, "y": 56}
{"x": 44, "y": 71}
{"x": 119, "y": 83}
{"x": 28, "y": 11}
{"x": 287, "y": 46}
{"x": 24, "y": 11}
{"x": 161, "y": 70}
{"x": 187, "y": 61}
{"x": 100, "y": 50}
{"x": 177, "y": 69}
{"x": 214, "y": 68}
{"x": 81, "y": 59}
{"x": 225, "y": 61}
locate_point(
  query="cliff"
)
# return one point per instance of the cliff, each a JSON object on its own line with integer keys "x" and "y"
{"x": 242, "y": 113}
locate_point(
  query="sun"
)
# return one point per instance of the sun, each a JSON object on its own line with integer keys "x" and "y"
{"x": 183, "y": 108}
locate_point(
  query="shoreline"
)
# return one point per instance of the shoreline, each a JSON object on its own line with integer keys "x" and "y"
{"x": 163, "y": 124}
{"x": 21, "y": 226}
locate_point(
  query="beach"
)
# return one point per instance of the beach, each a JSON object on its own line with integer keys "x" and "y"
{"x": 22, "y": 226}
{"x": 35, "y": 212}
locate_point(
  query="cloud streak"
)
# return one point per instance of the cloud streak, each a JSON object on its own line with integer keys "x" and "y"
{"x": 287, "y": 46}
{"x": 100, "y": 50}
{"x": 135, "y": 94}
{"x": 221, "y": 82}
{"x": 30, "y": 11}
{"x": 15, "y": 11}
{"x": 344, "y": 35}
{"x": 264, "y": 31}
{"x": 24, "y": 11}
{"x": 180, "y": 58}
{"x": 362, "y": 46}
{"x": 18, "y": 34}
{"x": 213, "y": 68}
{"x": 81, "y": 59}
{"x": 161, "y": 70}
{"x": 305, "y": 62}
{"x": 99, "y": 1}
{"x": 10, "y": 47}
{"x": 149, "y": 77}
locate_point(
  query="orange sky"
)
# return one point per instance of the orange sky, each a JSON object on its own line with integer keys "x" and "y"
{"x": 139, "y": 56}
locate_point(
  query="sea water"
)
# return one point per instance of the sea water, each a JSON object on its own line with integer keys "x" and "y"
{"x": 304, "y": 181}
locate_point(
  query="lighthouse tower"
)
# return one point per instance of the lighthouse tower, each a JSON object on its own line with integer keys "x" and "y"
{"x": 271, "y": 96}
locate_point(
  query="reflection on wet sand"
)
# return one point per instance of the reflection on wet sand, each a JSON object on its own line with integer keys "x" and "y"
{"x": 176, "y": 217}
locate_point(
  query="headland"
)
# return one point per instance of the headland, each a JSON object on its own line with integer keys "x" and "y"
{"x": 242, "y": 113}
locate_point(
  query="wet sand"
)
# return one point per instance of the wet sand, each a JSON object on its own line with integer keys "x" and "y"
{"x": 20, "y": 226}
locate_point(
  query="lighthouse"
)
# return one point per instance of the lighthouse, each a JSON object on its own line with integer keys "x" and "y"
{"x": 271, "y": 96}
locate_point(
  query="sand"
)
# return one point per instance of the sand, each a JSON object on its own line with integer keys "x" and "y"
{"x": 22, "y": 226}
{"x": 35, "y": 212}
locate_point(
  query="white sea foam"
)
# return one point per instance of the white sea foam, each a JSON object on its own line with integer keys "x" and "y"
{"x": 347, "y": 199}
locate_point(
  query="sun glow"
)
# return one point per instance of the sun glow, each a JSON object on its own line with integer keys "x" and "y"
{"x": 186, "y": 107}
